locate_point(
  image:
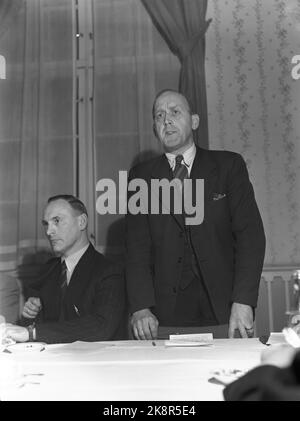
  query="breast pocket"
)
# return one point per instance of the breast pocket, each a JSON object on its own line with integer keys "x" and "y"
{"x": 219, "y": 208}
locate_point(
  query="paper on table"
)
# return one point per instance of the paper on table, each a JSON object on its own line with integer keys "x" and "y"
{"x": 276, "y": 338}
{"x": 226, "y": 376}
{"x": 26, "y": 347}
{"x": 193, "y": 339}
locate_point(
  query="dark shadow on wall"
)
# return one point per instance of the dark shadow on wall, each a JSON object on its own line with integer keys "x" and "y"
{"x": 32, "y": 267}
{"x": 117, "y": 230}
{"x": 13, "y": 287}
{"x": 115, "y": 241}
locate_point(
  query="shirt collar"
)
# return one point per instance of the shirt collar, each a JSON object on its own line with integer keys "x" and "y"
{"x": 73, "y": 259}
{"x": 188, "y": 157}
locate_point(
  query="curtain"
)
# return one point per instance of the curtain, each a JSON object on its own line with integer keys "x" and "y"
{"x": 36, "y": 144}
{"x": 182, "y": 24}
{"x": 9, "y": 10}
{"x": 254, "y": 108}
{"x": 132, "y": 63}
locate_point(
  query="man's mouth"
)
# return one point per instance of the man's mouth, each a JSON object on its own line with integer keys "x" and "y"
{"x": 170, "y": 132}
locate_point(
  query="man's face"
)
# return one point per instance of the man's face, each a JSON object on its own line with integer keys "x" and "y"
{"x": 62, "y": 227}
{"x": 173, "y": 122}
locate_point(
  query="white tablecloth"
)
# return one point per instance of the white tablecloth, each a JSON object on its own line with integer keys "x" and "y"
{"x": 125, "y": 370}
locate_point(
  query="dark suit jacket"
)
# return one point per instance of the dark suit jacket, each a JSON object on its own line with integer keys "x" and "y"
{"x": 96, "y": 288}
{"x": 229, "y": 244}
{"x": 267, "y": 383}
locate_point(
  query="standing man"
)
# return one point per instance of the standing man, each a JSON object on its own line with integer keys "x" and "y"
{"x": 81, "y": 295}
{"x": 194, "y": 275}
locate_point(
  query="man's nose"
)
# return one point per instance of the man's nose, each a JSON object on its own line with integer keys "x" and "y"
{"x": 50, "y": 229}
{"x": 168, "y": 119}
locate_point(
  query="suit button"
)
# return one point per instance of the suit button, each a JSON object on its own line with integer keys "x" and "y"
{"x": 179, "y": 260}
{"x": 174, "y": 290}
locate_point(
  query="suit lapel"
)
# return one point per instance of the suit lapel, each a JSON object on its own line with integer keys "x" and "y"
{"x": 204, "y": 168}
{"x": 50, "y": 294}
{"x": 80, "y": 278}
{"x": 160, "y": 171}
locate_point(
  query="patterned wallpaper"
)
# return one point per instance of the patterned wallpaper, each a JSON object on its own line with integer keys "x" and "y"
{"x": 254, "y": 108}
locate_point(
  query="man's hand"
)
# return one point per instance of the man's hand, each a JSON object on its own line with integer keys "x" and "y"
{"x": 32, "y": 308}
{"x": 294, "y": 323}
{"x": 17, "y": 333}
{"x": 241, "y": 319}
{"x": 144, "y": 324}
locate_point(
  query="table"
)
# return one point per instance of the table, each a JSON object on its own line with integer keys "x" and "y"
{"x": 125, "y": 370}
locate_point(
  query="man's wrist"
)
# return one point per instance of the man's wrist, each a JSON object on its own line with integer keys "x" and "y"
{"x": 31, "y": 332}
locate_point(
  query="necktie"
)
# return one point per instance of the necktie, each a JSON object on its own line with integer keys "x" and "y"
{"x": 63, "y": 286}
{"x": 63, "y": 277}
{"x": 180, "y": 171}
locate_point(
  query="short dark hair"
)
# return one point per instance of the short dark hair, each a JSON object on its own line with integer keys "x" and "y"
{"x": 73, "y": 201}
{"x": 163, "y": 91}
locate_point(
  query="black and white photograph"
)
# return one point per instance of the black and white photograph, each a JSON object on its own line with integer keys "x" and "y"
{"x": 149, "y": 203}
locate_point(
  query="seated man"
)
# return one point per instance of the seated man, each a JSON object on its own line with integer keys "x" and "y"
{"x": 81, "y": 295}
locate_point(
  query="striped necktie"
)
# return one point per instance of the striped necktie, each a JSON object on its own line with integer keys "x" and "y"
{"x": 63, "y": 277}
{"x": 63, "y": 288}
{"x": 180, "y": 171}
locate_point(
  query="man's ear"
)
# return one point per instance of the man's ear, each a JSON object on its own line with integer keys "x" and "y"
{"x": 195, "y": 121}
{"x": 83, "y": 220}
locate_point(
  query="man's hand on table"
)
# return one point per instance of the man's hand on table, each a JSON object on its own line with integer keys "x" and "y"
{"x": 144, "y": 324}
{"x": 241, "y": 319}
{"x": 17, "y": 333}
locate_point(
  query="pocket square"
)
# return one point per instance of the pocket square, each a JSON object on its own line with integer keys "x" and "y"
{"x": 218, "y": 196}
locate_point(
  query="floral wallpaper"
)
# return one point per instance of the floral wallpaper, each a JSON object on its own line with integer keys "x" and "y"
{"x": 254, "y": 108}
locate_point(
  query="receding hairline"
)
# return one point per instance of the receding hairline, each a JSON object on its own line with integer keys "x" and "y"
{"x": 74, "y": 203}
{"x": 170, "y": 91}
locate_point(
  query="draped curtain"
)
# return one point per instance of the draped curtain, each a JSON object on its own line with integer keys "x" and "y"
{"x": 36, "y": 145}
{"x": 9, "y": 10}
{"x": 132, "y": 63}
{"x": 183, "y": 26}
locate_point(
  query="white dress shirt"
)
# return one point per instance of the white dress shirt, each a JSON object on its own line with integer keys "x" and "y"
{"x": 188, "y": 158}
{"x": 72, "y": 260}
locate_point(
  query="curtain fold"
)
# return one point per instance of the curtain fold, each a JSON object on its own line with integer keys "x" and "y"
{"x": 36, "y": 139}
{"x": 132, "y": 63}
{"x": 183, "y": 26}
{"x": 9, "y": 13}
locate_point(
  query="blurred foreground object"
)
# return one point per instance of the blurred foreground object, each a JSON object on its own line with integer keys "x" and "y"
{"x": 294, "y": 314}
{"x": 278, "y": 379}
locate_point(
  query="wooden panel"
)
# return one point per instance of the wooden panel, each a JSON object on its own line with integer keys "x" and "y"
{"x": 275, "y": 299}
{"x": 262, "y": 318}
